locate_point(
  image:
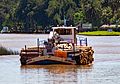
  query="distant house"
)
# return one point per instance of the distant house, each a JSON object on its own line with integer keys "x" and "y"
{"x": 110, "y": 27}
{"x": 84, "y": 27}
{"x": 4, "y": 30}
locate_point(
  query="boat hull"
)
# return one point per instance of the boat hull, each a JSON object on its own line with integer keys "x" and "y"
{"x": 49, "y": 62}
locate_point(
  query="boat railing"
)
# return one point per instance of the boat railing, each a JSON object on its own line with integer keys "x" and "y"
{"x": 41, "y": 43}
{"x": 82, "y": 41}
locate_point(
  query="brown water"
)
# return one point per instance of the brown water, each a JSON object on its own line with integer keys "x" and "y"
{"x": 104, "y": 70}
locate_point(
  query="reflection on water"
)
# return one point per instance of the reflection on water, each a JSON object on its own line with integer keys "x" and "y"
{"x": 54, "y": 74}
{"x": 59, "y": 69}
{"x": 105, "y": 69}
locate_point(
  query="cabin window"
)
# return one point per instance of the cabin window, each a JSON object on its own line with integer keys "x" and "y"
{"x": 64, "y": 31}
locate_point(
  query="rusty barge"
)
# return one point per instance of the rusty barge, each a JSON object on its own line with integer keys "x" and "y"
{"x": 62, "y": 47}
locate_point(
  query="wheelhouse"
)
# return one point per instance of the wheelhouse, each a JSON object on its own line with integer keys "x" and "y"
{"x": 67, "y": 33}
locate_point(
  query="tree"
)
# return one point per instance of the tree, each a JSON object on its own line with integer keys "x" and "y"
{"x": 7, "y": 12}
{"x": 92, "y": 10}
{"x": 26, "y": 15}
{"x": 59, "y": 9}
{"x": 78, "y": 17}
{"x": 106, "y": 15}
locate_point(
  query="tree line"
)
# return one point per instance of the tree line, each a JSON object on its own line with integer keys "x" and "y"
{"x": 33, "y": 15}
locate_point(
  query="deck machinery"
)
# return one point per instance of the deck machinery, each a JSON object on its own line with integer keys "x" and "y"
{"x": 62, "y": 47}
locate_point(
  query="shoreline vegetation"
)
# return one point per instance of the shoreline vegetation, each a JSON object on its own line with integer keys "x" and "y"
{"x": 37, "y": 15}
{"x": 100, "y": 33}
{"x": 89, "y": 33}
{"x": 5, "y": 51}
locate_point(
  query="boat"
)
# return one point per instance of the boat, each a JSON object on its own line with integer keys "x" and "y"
{"x": 61, "y": 47}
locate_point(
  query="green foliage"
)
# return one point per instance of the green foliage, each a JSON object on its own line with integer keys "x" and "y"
{"x": 100, "y": 33}
{"x": 78, "y": 17}
{"x": 26, "y": 15}
{"x": 4, "y": 51}
{"x": 59, "y": 9}
{"x": 106, "y": 14}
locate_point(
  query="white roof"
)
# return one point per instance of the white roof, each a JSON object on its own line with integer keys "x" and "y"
{"x": 109, "y": 26}
{"x": 63, "y": 27}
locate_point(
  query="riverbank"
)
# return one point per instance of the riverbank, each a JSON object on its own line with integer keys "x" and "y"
{"x": 100, "y": 33}
{"x": 5, "y": 51}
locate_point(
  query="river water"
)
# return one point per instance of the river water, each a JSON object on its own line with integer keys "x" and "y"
{"x": 104, "y": 70}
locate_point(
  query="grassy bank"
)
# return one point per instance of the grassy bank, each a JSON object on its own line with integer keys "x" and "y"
{"x": 4, "y": 51}
{"x": 100, "y": 33}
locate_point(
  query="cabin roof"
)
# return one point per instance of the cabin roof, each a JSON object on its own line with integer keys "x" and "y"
{"x": 63, "y": 27}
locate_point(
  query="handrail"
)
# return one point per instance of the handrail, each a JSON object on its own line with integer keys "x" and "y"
{"x": 83, "y": 40}
{"x": 40, "y": 42}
